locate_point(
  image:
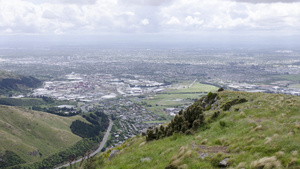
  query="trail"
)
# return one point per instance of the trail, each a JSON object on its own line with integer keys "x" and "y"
{"x": 193, "y": 83}
{"x": 99, "y": 148}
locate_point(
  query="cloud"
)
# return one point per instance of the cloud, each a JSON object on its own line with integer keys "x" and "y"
{"x": 145, "y": 22}
{"x": 79, "y": 1}
{"x": 173, "y": 20}
{"x": 129, "y": 13}
{"x": 49, "y": 15}
{"x": 147, "y": 2}
{"x": 193, "y": 20}
{"x": 267, "y": 1}
{"x": 144, "y": 16}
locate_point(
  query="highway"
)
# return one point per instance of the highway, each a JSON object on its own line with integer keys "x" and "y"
{"x": 99, "y": 148}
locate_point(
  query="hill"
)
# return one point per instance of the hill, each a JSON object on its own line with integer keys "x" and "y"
{"x": 226, "y": 129}
{"x": 30, "y": 136}
{"x": 10, "y": 82}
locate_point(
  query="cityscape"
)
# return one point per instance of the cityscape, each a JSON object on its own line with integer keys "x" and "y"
{"x": 119, "y": 82}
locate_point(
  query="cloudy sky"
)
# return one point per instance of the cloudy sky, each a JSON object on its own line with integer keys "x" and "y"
{"x": 150, "y": 20}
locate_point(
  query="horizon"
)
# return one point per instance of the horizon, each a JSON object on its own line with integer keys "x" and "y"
{"x": 167, "y": 23}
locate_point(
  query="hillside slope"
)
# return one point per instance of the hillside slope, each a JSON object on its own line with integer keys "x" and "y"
{"x": 10, "y": 82}
{"x": 240, "y": 130}
{"x": 34, "y": 135}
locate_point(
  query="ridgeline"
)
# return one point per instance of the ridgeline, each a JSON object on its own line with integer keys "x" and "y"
{"x": 10, "y": 83}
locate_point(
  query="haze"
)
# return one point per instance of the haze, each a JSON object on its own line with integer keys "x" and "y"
{"x": 230, "y": 23}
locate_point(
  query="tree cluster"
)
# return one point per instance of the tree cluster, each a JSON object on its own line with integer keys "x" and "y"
{"x": 184, "y": 122}
{"x": 57, "y": 110}
{"x": 99, "y": 123}
{"x": 228, "y": 105}
{"x": 187, "y": 121}
{"x": 10, "y": 158}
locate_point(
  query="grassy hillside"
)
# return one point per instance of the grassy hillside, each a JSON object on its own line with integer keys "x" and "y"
{"x": 34, "y": 135}
{"x": 10, "y": 82}
{"x": 263, "y": 132}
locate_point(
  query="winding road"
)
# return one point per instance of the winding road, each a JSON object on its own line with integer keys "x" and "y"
{"x": 99, "y": 148}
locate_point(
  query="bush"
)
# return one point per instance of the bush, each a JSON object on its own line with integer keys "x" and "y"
{"x": 222, "y": 123}
{"x": 186, "y": 121}
{"x": 220, "y": 90}
{"x": 171, "y": 166}
{"x": 215, "y": 115}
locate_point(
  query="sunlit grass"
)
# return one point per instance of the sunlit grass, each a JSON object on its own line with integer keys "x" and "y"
{"x": 23, "y": 131}
{"x": 259, "y": 133}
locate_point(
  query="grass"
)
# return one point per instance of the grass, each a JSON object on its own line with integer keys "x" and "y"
{"x": 297, "y": 86}
{"x": 261, "y": 133}
{"x": 178, "y": 96}
{"x": 289, "y": 77}
{"x": 24, "y": 131}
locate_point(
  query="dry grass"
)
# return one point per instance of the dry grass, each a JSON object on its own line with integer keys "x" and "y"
{"x": 183, "y": 166}
{"x": 198, "y": 137}
{"x": 295, "y": 153}
{"x": 259, "y": 127}
{"x": 292, "y": 162}
{"x": 242, "y": 114}
{"x": 279, "y": 154}
{"x": 251, "y": 140}
{"x": 167, "y": 151}
{"x": 181, "y": 151}
{"x": 188, "y": 154}
{"x": 290, "y": 133}
{"x": 268, "y": 140}
{"x": 266, "y": 163}
{"x": 176, "y": 162}
{"x": 204, "y": 141}
{"x": 241, "y": 165}
{"x": 143, "y": 143}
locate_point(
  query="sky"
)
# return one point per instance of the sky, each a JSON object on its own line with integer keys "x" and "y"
{"x": 150, "y": 21}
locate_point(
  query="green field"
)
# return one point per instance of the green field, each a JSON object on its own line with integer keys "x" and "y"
{"x": 26, "y": 132}
{"x": 289, "y": 77}
{"x": 178, "y": 96}
{"x": 296, "y": 86}
{"x": 263, "y": 132}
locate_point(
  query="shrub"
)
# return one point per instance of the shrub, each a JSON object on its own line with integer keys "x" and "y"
{"x": 220, "y": 90}
{"x": 171, "y": 166}
{"x": 222, "y": 123}
{"x": 215, "y": 115}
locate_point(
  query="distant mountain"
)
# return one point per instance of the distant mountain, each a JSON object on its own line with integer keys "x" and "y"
{"x": 226, "y": 129}
{"x": 10, "y": 82}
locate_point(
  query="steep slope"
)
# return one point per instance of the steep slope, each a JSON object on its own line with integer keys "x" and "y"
{"x": 240, "y": 130}
{"x": 10, "y": 82}
{"x": 34, "y": 135}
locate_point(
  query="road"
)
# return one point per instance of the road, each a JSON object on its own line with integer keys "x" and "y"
{"x": 99, "y": 148}
{"x": 192, "y": 83}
